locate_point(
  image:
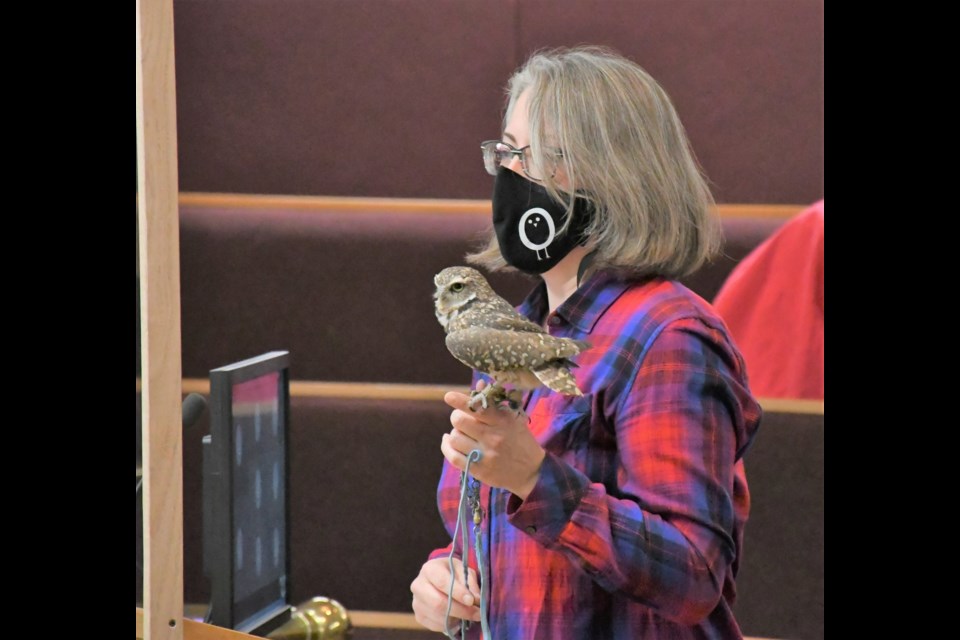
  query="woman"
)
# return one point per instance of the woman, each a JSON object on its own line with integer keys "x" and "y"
{"x": 618, "y": 513}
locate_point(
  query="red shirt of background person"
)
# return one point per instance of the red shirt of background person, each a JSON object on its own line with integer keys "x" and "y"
{"x": 773, "y": 305}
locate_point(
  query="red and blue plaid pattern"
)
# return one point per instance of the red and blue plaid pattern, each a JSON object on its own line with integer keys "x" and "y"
{"x": 635, "y": 526}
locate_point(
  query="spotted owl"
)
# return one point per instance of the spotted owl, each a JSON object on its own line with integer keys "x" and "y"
{"x": 487, "y": 334}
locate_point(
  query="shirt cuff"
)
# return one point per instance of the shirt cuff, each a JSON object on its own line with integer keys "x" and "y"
{"x": 552, "y": 502}
{"x": 441, "y": 553}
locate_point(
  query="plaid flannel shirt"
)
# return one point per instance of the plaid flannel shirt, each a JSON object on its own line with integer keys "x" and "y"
{"x": 634, "y": 527}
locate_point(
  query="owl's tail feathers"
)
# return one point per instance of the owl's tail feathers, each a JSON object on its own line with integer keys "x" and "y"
{"x": 558, "y": 378}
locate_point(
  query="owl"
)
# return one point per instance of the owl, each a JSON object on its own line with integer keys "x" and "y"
{"x": 487, "y": 334}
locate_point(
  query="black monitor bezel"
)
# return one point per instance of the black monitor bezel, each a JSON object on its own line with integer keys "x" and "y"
{"x": 218, "y": 483}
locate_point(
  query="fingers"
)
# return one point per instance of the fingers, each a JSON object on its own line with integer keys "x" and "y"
{"x": 462, "y": 442}
{"x": 456, "y": 448}
{"x": 466, "y": 594}
{"x": 457, "y": 400}
{"x": 430, "y": 608}
{"x": 472, "y": 422}
{"x": 454, "y": 457}
{"x": 468, "y": 424}
{"x": 430, "y": 594}
{"x": 474, "y": 585}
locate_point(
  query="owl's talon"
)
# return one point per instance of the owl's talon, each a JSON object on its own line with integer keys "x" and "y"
{"x": 472, "y": 403}
{"x": 493, "y": 393}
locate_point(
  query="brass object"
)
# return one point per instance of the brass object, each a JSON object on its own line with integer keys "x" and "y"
{"x": 316, "y": 619}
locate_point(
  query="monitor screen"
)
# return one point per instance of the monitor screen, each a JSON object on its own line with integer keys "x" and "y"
{"x": 245, "y": 494}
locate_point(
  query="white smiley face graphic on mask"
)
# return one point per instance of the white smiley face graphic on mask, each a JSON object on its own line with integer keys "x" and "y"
{"x": 522, "y": 230}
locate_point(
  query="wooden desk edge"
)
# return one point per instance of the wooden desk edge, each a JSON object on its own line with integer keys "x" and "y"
{"x": 193, "y": 630}
{"x": 360, "y": 618}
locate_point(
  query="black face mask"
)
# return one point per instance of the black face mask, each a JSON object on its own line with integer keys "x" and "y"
{"x": 527, "y": 222}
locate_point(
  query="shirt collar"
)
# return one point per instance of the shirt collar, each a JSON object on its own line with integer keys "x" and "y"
{"x": 584, "y": 306}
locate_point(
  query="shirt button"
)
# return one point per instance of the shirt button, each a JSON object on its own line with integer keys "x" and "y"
{"x": 531, "y": 529}
{"x": 554, "y": 321}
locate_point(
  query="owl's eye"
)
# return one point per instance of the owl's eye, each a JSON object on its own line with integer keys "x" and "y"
{"x": 456, "y": 286}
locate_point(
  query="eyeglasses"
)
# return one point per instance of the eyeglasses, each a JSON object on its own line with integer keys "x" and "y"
{"x": 497, "y": 153}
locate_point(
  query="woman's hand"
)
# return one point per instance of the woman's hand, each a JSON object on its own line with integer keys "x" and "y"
{"x": 430, "y": 594}
{"x": 511, "y": 456}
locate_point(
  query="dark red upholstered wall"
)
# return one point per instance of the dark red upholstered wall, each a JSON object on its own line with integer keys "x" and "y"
{"x": 780, "y": 584}
{"x": 339, "y": 97}
{"x": 746, "y": 77}
{"x": 348, "y": 293}
{"x": 391, "y": 97}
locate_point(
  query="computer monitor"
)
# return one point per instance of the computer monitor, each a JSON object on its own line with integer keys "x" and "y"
{"x": 245, "y": 494}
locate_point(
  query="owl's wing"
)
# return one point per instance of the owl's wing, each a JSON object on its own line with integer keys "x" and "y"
{"x": 514, "y": 323}
{"x": 509, "y": 319}
{"x": 487, "y": 349}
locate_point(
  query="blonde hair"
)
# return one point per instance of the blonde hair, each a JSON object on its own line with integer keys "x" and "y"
{"x": 625, "y": 150}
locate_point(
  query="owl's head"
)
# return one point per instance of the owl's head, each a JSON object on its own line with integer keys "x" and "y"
{"x": 456, "y": 288}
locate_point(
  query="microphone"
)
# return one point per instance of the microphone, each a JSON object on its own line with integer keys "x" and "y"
{"x": 193, "y": 407}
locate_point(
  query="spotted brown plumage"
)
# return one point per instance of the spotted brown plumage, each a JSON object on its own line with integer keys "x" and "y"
{"x": 487, "y": 334}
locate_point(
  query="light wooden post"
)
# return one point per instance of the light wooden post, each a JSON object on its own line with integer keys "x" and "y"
{"x": 159, "y": 262}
